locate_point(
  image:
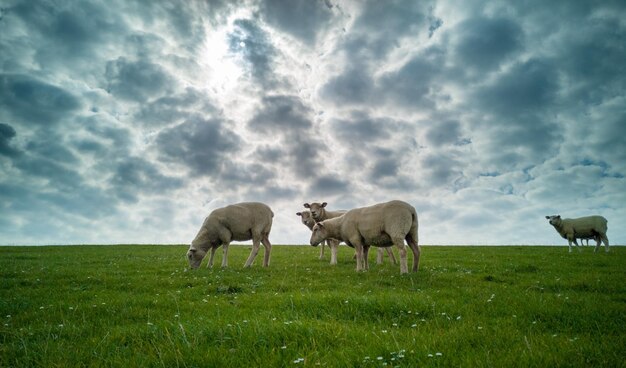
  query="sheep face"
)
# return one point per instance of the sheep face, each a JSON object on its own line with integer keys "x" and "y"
{"x": 306, "y": 218}
{"x": 195, "y": 257}
{"x": 317, "y": 209}
{"x": 319, "y": 234}
{"x": 554, "y": 220}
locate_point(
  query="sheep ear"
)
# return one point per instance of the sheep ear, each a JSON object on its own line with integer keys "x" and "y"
{"x": 320, "y": 224}
{"x": 298, "y": 213}
{"x": 558, "y": 216}
{"x": 547, "y": 217}
{"x": 306, "y": 205}
{"x": 324, "y": 204}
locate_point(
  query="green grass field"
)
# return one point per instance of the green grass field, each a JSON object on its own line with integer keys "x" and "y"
{"x": 467, "y": 306}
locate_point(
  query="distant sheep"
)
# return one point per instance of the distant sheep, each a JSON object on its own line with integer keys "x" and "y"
{"x": 320, "y": 213}
{"x": 308, "y": 221}
{"x": 380, "y": 225}
{"x": 590, "y": 227}
{"x": 237, "y": 222}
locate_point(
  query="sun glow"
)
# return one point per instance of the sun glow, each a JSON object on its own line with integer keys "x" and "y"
{"x": 221, "y": 63}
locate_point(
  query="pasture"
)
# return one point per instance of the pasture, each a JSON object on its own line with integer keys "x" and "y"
{"x": 138, "y": 305}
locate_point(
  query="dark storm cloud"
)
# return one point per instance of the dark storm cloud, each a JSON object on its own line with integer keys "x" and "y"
{"x": 329, "y": 185}
{"x": 530, "y": 86}
{"x": 485, "y": 43}
{"x": 200, "y": 145}
{"x": 137, "y": 80}
{"x": 133, "y": 176}
{"x": 362, "y": 128}
{"x": 7, "y": 133}
{"x": 32, "y": 101}
{"x": 288, "y": 118}
{"x": 302, "y": 18}
{"x": 385, "y": 23}
{"x": 354, "y": 86}
{"x": 446, "y": 132}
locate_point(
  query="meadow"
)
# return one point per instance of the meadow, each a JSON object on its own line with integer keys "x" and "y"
{"x": 139, "y": 305}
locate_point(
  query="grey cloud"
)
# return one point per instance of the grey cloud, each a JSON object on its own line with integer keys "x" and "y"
{"x": 6, "y": 134}
{"x": 446, "y": 132}
{"x": 199, "y": 144}
{"x": 329, "y": 185}
{"x": 385, "y": 23}
{"x": 290, "y": 119}
{"x": 301, "y": 18}
{"x": 133, "y": 176}
{"x": 282, "y": 114}
{"x": 415, "y": 83}
{"x": 255, "y": 46}
{"x": 362, "y": 128}
{"x": 137, "y": 80}
{"x": 174, "y": 108}
{"x": 32, "y": 101}
{"x": 57, "y": 174}
{"x": 353, "y": 86}
{"x": 528, "y": 87}
{"x": 484, "y": 43}
{"x": 441, "y": 169}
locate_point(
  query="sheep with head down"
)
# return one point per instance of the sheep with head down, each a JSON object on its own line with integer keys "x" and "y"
{"x": 381, "y": 225}
{"x": 589, "y": 227}
{"x": 237, "y": 222}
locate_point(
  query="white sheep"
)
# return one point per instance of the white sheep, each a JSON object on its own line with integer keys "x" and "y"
{"x": 237, "y": 222}
{"x": 590, "y": 227}
{"x": 333, "y": 244}
{"x": 320, "y": 213}
{"x": 380, "y": 225}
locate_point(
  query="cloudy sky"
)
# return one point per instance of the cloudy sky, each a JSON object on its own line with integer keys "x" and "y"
{"x": 128, "y": 121}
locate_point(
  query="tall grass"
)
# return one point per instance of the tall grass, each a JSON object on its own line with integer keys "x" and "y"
{"x": 467, "y": 306}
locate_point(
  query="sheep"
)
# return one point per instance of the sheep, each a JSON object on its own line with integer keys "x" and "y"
{"x": 239, "y": 222}
{"x": 320, "y": 213}
{"x": 590, "y": 227}
{"x": 380, "y": 225}
{"x": 308, "y": 220}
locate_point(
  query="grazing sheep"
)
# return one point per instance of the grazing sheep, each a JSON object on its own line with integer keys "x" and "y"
{"x": 308, "y": 220}
{"x": 590, "y": 227}
{"x": 380, "y": 225}
{"x": 239, "y": 222}
{"x": 320, "y": 213}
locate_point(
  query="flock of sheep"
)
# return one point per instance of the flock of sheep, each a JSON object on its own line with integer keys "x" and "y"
{"x": 382, "y": 225}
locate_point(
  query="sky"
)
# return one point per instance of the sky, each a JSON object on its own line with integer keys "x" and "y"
{"x": 128, "y": 121}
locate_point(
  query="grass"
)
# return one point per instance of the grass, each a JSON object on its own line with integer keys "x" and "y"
{"x": 467, "y": 306}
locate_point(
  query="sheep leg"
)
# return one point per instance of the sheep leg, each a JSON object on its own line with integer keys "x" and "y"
{"x": 210, "y": 264}
{"x": 322, "y": 250}
{"x": 605, "y": 239}
{"x": 391, "y": 255}
{"x": 268, "y": 250}
{"x": 255, "y": 250}
{"x": 366, "y": 249}
{"x": 379, "y": 256}
{"x": 415, "y": 249}
{"x": 359, "y": 254}
{"x": 334, "y": 246}
{"x": 225, "y": 258}
{"x": 399, "y": 242}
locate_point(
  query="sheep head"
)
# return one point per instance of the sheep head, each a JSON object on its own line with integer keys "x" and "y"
{"x": 195, "y": 256}
{"x": 317, "y": 209}
{"x": 319, "y": 234}
{"x": 554, "y": 220}
{"x": 306, "y": 218}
